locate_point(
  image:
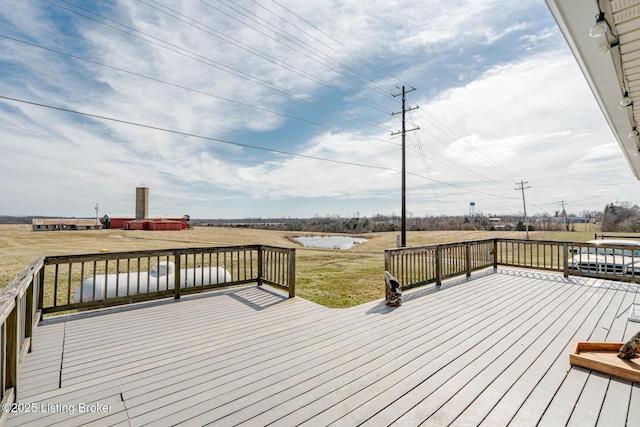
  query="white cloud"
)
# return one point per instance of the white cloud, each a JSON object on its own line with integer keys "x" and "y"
{"x": 528, "y": 117}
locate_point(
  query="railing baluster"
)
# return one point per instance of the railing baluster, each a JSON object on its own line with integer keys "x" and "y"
{"x": 177, "y": 285}
{"x": 128, "y": 276}
{"x": 117, "y": 276}
{"x": 69, "y": 286}
{"x": 55, "y": 287}
{"x": 468, "y": 259}
{"x": 106, "y": 274}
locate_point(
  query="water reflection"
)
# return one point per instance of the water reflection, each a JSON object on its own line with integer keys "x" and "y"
{"x": 329, "y": 242}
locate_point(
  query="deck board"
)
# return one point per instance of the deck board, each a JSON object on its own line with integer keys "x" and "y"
{"x": 433, "y": 400}
{"x": 381, "y": 353}
{"x": 478, "y": 397}
{"x": 476, "y": 341}
{"x": 491, "y": 351}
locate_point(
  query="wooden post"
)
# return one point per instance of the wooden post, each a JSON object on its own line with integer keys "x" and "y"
{"x": 176, "y": 278}
{"x": 565, "y": 258}
{"x": 292, "y": 273}
{"x": 13, "y": 348}
{"x": 495, "y": 253}
{"x": 28, "y": 315}
{"x": 41, "y": 292}
{"x": 438, "y": 265}
{"x": 387, "y": 267}
{"x": 260, "y": 266}
{"x": 468, "y": 259}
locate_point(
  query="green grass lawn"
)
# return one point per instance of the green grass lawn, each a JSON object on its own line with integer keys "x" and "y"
{"x": 333, "y": 278}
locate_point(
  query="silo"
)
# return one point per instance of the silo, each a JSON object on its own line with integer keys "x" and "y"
{"x": 142, "y": 202}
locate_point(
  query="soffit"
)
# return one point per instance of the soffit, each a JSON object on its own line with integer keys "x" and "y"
{"x": 613, "y": 73}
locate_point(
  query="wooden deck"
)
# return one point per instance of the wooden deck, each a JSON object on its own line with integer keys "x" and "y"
{"x": 491, "y": 351}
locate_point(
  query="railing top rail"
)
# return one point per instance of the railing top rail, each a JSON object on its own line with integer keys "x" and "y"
{"x": 546, "y": 242}
{"x": 601, "y": 245}
{"x": 214, "y": 249}
{"x": 435, "y": 245}
{"x": 102, "y": 256}
{"x": 278, "y": 249}
{"x": 559, "y": 242}
{"x": 17, "y": 287}
{"x": 614, "y": 236}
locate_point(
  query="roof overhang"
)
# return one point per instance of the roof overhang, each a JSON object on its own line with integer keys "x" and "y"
{"x": 616, "y": 71}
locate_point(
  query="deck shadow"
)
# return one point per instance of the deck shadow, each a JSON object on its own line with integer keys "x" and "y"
{"x": 259, "y": 302}
{"x": 165, "y": 301}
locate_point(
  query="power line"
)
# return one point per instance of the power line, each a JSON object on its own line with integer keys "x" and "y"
{"x": 524, "y": 204}
{"x": 480, "y": 158}
{"x": 425, "y": 163}
{"x": 272, "y": 150}
{"x": 209, "y": 62}
{"x": 224, "y": 69}
{"x": 192, "y": 90}
{"x": 454, "y": 136}
{"x": 191, "y": 135}
{"x": 321, "y": 42}
{"x": 564, "y": 214}
{"x": 275, "y": 61}
{"x": 337, "y": 41}
{"x": 293, "y": 39}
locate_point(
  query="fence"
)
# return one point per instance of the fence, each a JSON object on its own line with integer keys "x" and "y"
{"x": 421, "y": 265}
{"x": 58, "y": 283}
{"x": 614, "y": 236}
{"x": 107, "y": 279}
{"x": 20, "y": 312}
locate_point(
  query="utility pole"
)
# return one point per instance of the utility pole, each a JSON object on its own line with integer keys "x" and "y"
{"x": 524, "y": 204}
{"x": 403, "y": 220}
{"x": 564, "y": 214}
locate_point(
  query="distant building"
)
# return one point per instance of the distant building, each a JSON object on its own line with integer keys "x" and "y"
{"x": 128, "y": 222}
{"x": 64, "y": 224}
{"x": 142, "y": 202}
{"x": 142, "y": 220}
{"x": 116, "y": 221}
{"x": 561, "y": 220}
{"x": 156, "y": 224}
{"x": 505, "y": 227}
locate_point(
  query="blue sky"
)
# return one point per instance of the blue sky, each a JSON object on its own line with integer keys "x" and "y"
{"x": 501, "y": 100}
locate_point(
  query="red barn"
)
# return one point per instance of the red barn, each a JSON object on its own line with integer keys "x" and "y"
{"x": 116, "y": 221}
{"x": 130, "y": 223}
{"x": 156, "y": 224}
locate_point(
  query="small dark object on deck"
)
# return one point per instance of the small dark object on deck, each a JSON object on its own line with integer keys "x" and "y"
{"x": 630, "y": 348}
{"x": 394, "y": 290}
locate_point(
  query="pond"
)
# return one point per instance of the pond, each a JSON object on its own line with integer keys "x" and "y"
{"x": 329, "y": 242}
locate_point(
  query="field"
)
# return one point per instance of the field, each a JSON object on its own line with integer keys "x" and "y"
{"x": 333, "y": 278}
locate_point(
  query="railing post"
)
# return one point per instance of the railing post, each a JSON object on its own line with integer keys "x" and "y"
{"x": 260, "y": 266}
{"x": 41, "y": 292}
{"x": 495, "y": 253}
{"x": 292, "y": 273}
{"x": 468, "y": 259}
{"x": 438, "y": 265}
{"x": 387, "y": 261}
{"x": 28, "y": 316}
{"x": 565, "y": 258}
{"x": 13, "y": 349}
{"x": 177, "y": 258}
{"x": 387, "y": 267}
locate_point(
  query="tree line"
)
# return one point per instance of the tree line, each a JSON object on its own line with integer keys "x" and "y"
{"x": 357, "y": 224}
{"x": 621, "y": 217}
{"x": 616, "y": 217}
